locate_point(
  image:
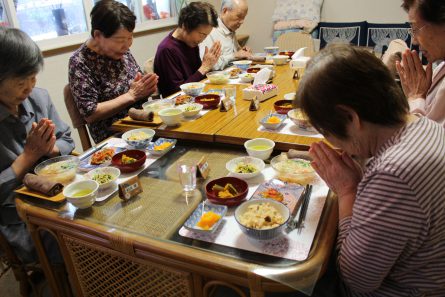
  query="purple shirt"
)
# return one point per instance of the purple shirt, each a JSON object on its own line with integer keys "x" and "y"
{"x": 176, "y": 63}
{"x": 96, "y": 78}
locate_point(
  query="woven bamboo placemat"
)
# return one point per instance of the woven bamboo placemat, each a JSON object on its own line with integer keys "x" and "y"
{"x": 158, "y": 211}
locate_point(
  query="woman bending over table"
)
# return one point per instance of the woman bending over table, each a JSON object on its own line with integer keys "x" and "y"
{"x": 424, "y": 88}
{"x": 104, "y": 77}
{"x": 30, "y": 130}
{"x": 177, "y": 59}
{"x": 391, "y": 239}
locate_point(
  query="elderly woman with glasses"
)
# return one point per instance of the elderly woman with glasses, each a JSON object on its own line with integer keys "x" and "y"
{"x": 425, "y": 88}
{"x": 392, "y": 212}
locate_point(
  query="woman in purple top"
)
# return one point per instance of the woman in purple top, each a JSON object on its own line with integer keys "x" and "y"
{"x": 177, "y": 59}
{"x": 104, "y": 77}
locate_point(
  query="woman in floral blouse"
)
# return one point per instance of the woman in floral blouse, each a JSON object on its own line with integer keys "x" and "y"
{"x": 104, "y": 77}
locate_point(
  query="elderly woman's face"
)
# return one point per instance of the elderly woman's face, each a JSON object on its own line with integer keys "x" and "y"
{"x": 430, "y": 37}
{"x": 195, "y": 37}
{"x": 13, "y": 91}
{"x": 116, "y": 45}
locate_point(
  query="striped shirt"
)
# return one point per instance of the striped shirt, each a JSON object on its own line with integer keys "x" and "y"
{"x": 394, "y": 243}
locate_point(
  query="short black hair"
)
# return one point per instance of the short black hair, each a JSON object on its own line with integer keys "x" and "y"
{"x": 108, "y": 16}
{"x": 432, "y": 11}
{"x": 342, "y": 75}
{"x": 19, "y": 54}
{"x": 196, "y": 14}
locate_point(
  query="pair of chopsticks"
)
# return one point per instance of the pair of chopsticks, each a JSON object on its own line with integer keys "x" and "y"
{"x": 293, "y": 224}
{"x": 303, "y": 211}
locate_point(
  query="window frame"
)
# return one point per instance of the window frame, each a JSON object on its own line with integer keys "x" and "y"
{"x": 77, "y": 39}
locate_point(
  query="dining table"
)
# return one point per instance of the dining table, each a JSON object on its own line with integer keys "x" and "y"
{"x": 140, "y": 247}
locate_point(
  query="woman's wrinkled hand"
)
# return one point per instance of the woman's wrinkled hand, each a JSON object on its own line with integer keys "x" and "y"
{"x": 40, "y": 140}
{"x": 415, "y": 80}
{"x": 339, "y": 171}
{"x": 143, "y": 86}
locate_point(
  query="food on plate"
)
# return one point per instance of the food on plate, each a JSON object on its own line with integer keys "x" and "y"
{"x": 273, "y": 120}
{"x": 57, "y": 168}
{"x": 253, "y": 70}
{"x": 294, "y": 166}
{"x": 191, "y": 108}
{"x": 272, "y": 193}
{"x": 234, "y": 72}
{"x": 208, "y": 219}
{"x": 102, "y": 156}
{"x": 181, "y": 99}
{"x": 102, "y": 178}
{"x": 140, "y": 135}
{"x": 127, "y": 160}
{"x": 285, "y": 105}
{"x": 228, "y": 191}
{"x": 207, "y": 99}
{"x": 299, "y": 115}
{"x": 261, "y": 216}
{"x": 242, "y": 167}
{"x": 162, "y": 146}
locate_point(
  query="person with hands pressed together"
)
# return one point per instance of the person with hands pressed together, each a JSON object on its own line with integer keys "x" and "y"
{"x": 232, "y": 15}
{"x": 177, "y": 59}
{"x": 30, "y": 130}
{"x": 391, "y": 213}
{"x": 424, "y": 89}
{"x": 104, "y": 77}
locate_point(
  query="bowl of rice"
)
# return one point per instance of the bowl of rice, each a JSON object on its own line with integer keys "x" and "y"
{"x": 138, "y": 138}
{"x": 262, "y": 219}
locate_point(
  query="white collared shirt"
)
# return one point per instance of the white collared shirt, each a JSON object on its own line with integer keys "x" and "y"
{"x": 229, "y": 44}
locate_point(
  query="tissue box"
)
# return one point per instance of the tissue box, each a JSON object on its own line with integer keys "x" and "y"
{"x": 299, "y": 63}
{"x": 262, "y": 92}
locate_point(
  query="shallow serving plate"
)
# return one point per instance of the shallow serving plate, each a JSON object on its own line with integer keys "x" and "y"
{"x": 159, "y": 141}
{"x": 192, "y": 221}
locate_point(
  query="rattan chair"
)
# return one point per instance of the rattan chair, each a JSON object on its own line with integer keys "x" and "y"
{"x": 292, "y": 41}
{"x": 25, "y": 274}
{"x": 76, "y": 119}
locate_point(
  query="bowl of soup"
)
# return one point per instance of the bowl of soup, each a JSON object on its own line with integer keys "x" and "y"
{"x": 171, "y": 116}
{"x": 81, "y": 194}
{"x": 129, "y": 160}
{"x": 60, "y": 169}
{"x": 208, "y": 101}
{"x": 260, "y": 148}
{"x": 283, "y": 106}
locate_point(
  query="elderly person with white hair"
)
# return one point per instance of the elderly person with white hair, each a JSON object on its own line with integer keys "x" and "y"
{"x": 231, "y": 17}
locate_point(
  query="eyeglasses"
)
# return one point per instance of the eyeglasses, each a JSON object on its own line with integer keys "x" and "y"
{"x": 414, "y": 31}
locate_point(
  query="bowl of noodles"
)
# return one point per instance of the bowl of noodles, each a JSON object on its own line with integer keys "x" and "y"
{"x": 59, "y": 169}
{"x": 138, "y": 138}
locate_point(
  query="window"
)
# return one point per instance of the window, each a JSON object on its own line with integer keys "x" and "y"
{"x": 4, "y": 22}
{"x": 46, "y": 21}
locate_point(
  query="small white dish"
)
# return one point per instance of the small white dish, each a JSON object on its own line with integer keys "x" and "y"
{"x": 245, "y": 162}
{"x": 82, "y": 194}
{"x": 259, "y": 147}
{"x": 273, "y": 126}
{"x": 190, "y": 109}
{"x": 192, "y": 221}
{"x": 104, "y": 176}
{"x": 171, "y": 116}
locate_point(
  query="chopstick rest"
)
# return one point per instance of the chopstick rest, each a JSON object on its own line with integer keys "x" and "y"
{"x": 42, "y": 185}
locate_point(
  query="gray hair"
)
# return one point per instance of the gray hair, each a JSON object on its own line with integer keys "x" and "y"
{"x": 19, "y": 54}
{"x": 229, "y": 4}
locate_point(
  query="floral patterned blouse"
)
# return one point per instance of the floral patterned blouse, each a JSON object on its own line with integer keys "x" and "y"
{"x": 95, "y": 78}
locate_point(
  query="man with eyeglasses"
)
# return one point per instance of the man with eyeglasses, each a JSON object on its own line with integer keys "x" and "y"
{"x": 424, "y": 88}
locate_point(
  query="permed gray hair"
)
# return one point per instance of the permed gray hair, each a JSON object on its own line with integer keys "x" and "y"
{"x": 19, "y": 54}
